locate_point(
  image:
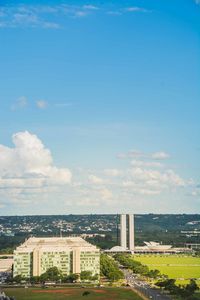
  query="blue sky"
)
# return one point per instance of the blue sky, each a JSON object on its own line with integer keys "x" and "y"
{"x": 107, "y": 94}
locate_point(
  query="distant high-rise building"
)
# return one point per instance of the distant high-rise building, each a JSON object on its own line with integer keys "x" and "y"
{"x": 123, "y": 238}
{"x": 123, "y": 232}
{"x": 131, "y": 244}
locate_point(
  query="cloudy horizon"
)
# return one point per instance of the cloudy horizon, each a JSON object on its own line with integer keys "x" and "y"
{"x": 99, "y": 107}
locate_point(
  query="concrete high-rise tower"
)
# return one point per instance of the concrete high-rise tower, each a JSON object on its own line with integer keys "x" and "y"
{"x": 123, "y": 240}
{"x": 123, "y": 232}
{"x": 131, "y": 235}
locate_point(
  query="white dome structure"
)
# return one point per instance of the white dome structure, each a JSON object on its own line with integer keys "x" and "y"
{"x": 117, "y": 249}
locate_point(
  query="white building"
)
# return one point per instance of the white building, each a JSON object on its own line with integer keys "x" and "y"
{"x": 68, "y": 254}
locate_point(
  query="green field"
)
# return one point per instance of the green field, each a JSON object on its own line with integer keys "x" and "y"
{"x": 182, "y": 268}
{"x": 72, "y": 294}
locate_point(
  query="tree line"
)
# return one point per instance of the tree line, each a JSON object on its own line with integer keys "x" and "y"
{"x": 109, "y": 268}
{"x": 137, "y": 267}
{"x": 184, "y": 292}
{"x": 55, "y": 275}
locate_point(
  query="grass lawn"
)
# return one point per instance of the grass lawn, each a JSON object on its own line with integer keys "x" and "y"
{"x": 198, "y": 294}
{"x": 180, "y": 267}
{"x": 71, "y": 294}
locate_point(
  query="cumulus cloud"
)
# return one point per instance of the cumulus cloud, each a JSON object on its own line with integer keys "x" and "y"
{"x": 106, "y": 194}
{"x": 145, "y": 175}
{"x": 29, "y": 165}
{"x": 160, "y": 155}
{"x": 41, "y": 104}
{"x": 149, "y": 176}
{"x": 112, "y": 172}
{"x": 29, "y": 175}
{"x": 95, "y": 179}
{"x": 145, "y": 181}
{"x": 154, "y": 177}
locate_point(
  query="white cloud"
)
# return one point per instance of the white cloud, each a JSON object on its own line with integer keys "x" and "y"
{"x": 29, "y": 16}
{"x": 29, "y": 176}
{"x": 106, "y": 194}
{"x": 90, "y": 7}
{"x": 160, "y": 155}
{"x": 53, "y": 16}
{"x": 167, "y": 177}
{"x": 136, "y": 9}
{"x": 25, "y": 18}
{"x": 152, "y": 182}
{"x": 141, "y": 163}
{"x": 41, "y": 104}
{"x": 112, "y": 172}
{"x": 196, "y": 190}
{"x": 147, "y": 192}
{"x": 136, "y": 154}
{"x": 121, "y": 155}
{"x": 20, "y": 103}
{"x": 29, "y": 165}
{"x": 146, "y": 176}
{"x": 95, "y": 180}
{"x": 132, "y": 154}
{"x": 81, "y": 13}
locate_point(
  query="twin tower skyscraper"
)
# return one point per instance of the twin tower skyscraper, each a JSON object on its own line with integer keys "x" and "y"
{"x": 127, "y": 237}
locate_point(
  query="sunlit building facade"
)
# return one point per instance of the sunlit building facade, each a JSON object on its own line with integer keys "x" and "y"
{"x": 69, "y": 255}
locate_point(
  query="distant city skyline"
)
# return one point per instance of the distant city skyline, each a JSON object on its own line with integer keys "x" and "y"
{"x": 99, "y": 107}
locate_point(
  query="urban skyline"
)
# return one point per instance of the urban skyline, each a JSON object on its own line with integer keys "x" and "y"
{"x": 99, "y": 107}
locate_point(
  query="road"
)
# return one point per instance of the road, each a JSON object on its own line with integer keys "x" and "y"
{"x": 143, "y": 287}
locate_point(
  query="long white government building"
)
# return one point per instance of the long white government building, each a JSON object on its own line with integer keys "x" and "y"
{"x": 68, "y": 254}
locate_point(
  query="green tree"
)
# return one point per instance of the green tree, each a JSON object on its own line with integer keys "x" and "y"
{"x": 86, "y": 275}
{"x": 109, "y": 268}
{"x": 154, "y": 273}
{"x": 86, "y": 293}
{"x": 186, "y": 292}
{"x": 127, "y": 261}
{"x": 190, "y": 288}
{"x": 72, "y": 277}
{"x": 95, "y": 277}
{"x": 168, "y": 284}
{"x": 52, "y": 274}
{"x": 18, "y": 278}
{"x": 35, "y": 279}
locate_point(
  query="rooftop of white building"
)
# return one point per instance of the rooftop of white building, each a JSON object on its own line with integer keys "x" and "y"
{"x": 55, "y": 244}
